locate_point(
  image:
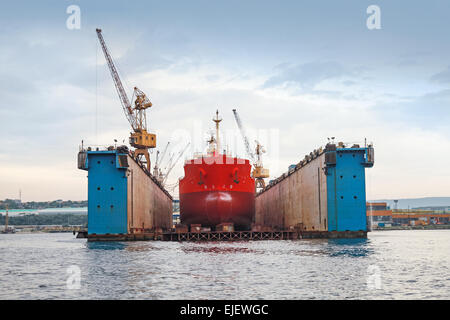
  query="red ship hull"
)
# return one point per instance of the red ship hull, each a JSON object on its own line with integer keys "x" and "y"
{"x": 211, "y": 208}
{"x": 216, "y": 190}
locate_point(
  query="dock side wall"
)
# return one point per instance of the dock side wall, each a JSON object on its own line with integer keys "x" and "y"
{"x": 107, "y": 194}
{"x": 149, "y": 207}
{"x": 325, "y": 192}
{"x": 347, "y": 191}
{"x": 299, "y": 200}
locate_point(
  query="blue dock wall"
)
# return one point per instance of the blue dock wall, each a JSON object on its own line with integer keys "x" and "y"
{"x": 107, "y": 194}
{"x": 346, "y": 190}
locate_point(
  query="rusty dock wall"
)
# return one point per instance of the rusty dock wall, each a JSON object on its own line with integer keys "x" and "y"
{"x": 149, "y": 204}
{"x": 297, "y": 200}
{"x": 323, "y": 193}
{"x": 123, "y": 197}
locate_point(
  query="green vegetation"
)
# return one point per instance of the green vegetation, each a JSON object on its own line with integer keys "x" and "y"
{"x": 53, "y": 219}
{"x": 16, "y": 204}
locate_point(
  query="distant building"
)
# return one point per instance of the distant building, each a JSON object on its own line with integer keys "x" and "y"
{"x": 176, "y": 205}
{"x": 419, "y": 217}
{"x": 176, "y": 212}
{"x": 378, "y": 215}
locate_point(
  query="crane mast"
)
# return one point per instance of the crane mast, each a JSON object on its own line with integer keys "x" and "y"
{"x": 258, "y": 173}
{"x": 140, "y": 138}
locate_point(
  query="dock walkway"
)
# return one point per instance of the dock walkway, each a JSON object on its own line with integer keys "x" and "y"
{"x": 223, "y": 236}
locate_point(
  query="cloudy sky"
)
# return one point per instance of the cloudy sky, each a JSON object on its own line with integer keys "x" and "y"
{"x": 297, "y": 71}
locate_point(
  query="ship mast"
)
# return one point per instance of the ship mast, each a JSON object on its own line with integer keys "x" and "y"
{"x": 217, "y": 121}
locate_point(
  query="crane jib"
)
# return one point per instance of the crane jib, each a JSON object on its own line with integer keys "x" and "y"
{"x": 118, "y": 84}
{"x": 244, "y": 136}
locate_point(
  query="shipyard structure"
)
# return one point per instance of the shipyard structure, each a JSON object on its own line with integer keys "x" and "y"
{"x": 125, "y": 202}
{"x": 324, "y": 195}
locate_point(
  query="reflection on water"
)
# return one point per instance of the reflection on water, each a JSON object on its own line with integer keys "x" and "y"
{"x": 349, "y": 247}
{"x": 214, "y": 249}
{"x": 404, "y": 265}
{"x": 110, "y": 245}
{"x": 348, "y": 242}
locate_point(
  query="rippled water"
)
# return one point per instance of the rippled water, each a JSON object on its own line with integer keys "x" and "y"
{"x": 411, "y": 264}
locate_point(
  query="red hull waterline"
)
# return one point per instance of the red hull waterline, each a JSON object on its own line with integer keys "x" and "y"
{"x": 217, "y": 189}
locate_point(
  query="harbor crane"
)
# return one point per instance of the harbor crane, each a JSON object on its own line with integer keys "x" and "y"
{"x": 175, "y": 162}
{"x": 140, "y": 139}
{"x": 169, "y": 163}
{"x": 157, "y": 169}
{"x": 258, "y": 173}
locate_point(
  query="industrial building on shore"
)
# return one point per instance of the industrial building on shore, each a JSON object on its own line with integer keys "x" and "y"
{"x": 380, "y": 215}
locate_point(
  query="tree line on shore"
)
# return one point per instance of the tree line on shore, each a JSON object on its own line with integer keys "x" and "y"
{"x": 54, "y": 219}
{"x": 16, "y": 204}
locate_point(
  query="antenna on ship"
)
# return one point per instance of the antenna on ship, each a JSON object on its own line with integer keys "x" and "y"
{"x": 217, "y": 121}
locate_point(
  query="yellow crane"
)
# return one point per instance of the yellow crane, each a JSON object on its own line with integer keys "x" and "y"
{"x": 140, "y": 139}
{"x": 259, "y": 172}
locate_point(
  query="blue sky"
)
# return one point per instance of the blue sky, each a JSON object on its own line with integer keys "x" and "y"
{"x": 298, "y": 71}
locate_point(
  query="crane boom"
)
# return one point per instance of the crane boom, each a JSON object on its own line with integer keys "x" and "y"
{"x": 173, "y": 165}
{"x": 169, "y": 163}
{"x": 158, "y": 162}
{"x": 157, "y": 170}
{"x": 258, "y": 173}
{"x": 126, "y": 105}
{"x": 244, "y": 136}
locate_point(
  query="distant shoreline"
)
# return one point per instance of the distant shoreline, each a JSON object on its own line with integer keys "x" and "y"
{"x": 427, "y": 227}
{"x": 45, "y": 211}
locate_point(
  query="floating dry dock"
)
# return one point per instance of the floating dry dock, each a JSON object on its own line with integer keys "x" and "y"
{"x": 124, "y": 199}
{"x": 323, "y": 193}
{"x": 323, "y": 196}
